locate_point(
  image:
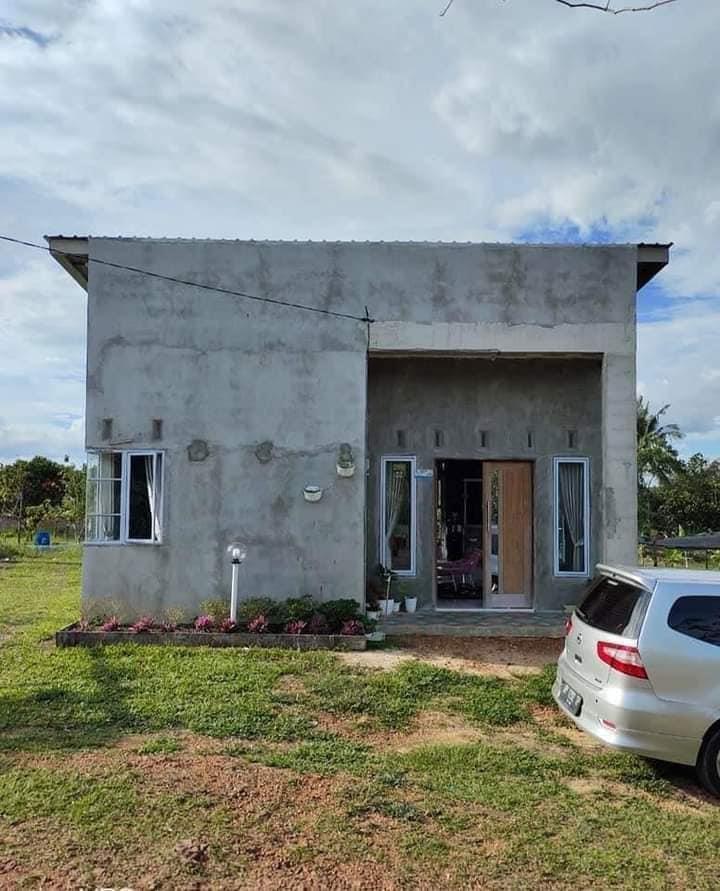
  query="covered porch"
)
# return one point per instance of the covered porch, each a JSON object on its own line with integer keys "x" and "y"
{"x": 464, "y": 623}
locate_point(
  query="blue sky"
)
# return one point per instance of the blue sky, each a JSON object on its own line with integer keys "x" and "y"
{"x": 503, "y": 120}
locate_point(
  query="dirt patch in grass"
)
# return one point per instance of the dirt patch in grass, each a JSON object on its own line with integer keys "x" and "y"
{"x": 292, "y": 684}
{"x": 510, "y": 652}
{"x": 489, "y": 657}
{"x": 554, "y": 721}
{"x": 430, "y": 728}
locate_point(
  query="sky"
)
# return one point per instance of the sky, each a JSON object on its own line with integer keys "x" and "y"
{"x": 504, "y": 120}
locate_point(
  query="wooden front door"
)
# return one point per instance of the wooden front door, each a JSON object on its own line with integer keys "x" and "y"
{"x": 507, "y": 546}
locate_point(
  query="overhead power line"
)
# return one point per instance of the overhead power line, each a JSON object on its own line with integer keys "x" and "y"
{"x": 192, "y": 284}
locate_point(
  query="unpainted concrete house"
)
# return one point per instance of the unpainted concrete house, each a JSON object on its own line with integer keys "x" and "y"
{"x": 477, "y": 436}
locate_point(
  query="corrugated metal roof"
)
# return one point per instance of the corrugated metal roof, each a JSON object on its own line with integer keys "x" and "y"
{"x": 270, "y": 241}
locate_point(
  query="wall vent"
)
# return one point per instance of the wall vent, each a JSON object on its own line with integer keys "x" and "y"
{"x": 483, "y": 439}
{"x": 157, "y": 428}
{"x": 572, "y": 439}
{"x": 439, "y": 439}
{"x": 530, "y": 439}
{"x": 401, "y": 439}
{"x": 107, "y": 428}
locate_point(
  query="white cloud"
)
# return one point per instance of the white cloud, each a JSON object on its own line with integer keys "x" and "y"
{"x": 679, "y": 365}
{"x": 272, "y": 118}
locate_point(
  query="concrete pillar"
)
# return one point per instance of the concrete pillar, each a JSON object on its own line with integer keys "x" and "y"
{"x": 619, "y": 489}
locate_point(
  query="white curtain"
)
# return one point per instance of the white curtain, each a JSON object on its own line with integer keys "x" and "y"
{"x": 572, "y": 504}
{"x": 152, "y": 477}
{"x": 107, "y": 505}
{"x": 396, "y": 489}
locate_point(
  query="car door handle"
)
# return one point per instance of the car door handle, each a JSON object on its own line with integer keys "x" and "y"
{"x": 578, "y": 658}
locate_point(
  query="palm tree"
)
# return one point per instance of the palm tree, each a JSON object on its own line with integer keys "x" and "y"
{"x": 657, "y": 460}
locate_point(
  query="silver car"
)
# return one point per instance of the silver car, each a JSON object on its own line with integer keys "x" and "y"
{"x": 640, "y": 670}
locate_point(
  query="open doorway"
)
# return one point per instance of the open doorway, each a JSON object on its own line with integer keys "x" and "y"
{"x": 483, "y": 534}
{"x": 459, "y": 534}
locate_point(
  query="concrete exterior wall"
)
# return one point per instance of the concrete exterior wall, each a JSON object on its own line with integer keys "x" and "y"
{"x": 238, "y": 373}
{"x": 235, "y": 374}
{"x": 506, "y": 398}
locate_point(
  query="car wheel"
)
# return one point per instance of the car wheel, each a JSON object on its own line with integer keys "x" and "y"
{"x": 708, "y": 765}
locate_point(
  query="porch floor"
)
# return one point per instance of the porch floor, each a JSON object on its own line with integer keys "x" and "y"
{"x": 466, "y": 623}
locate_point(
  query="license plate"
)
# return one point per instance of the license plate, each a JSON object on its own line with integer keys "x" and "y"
{"x": 570, "y": 698}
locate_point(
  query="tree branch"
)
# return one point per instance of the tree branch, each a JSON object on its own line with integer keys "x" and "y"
{"x": 600, "y": 7}
{"x": 607, "y": 8}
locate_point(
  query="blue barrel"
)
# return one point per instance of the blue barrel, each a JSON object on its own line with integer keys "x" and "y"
{"x": 42, "y": 539}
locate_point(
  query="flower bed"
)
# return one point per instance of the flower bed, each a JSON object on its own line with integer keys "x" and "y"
{"x": 74, "y": 636}
{"x": 299, "y": 623}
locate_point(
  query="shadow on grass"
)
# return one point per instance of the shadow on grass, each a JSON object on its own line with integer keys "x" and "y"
{"x": 54, "y": 716}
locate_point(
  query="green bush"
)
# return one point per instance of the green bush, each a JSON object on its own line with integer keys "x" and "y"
{"x": 9, "y": 551}
{"x": 300, "y": 608}
{"x": 216, "y": 609}
{"x": 336, "y": 612}
{"x": 273, "y": 610}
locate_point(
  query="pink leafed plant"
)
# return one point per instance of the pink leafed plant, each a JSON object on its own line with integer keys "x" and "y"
{"x": 258, "y": 625}
{"x": 144, "y": 623}
{"x": 112, "y": 624}
{"x": 297, "y": 626}
{"x": 168, "y": 626}
{"x": 227, "y": 626}
{"x": 317, "y": 624}
{"x": 352, "y": 626}
{"x": 204, "y": 623}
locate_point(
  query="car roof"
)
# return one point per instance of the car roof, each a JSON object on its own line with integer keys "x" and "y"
{"x": 649, "y": 576}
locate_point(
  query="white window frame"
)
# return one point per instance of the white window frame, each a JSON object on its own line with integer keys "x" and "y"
{"x": 125, "y": 455}
{"x": 557, "y": 461}
{"x": 383, "y": 547}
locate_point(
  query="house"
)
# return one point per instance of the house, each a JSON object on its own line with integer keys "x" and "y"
{"x": 477, "y": 436}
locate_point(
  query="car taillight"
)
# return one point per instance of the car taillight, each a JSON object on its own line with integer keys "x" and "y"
{"x": 568, "y": 625}
{"x": 622, "y": 658}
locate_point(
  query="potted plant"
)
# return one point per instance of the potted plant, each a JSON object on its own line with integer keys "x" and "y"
{"x": 410, "y": 602}
{"x": 385, "y": 603}
{"x": 372, "y": 610}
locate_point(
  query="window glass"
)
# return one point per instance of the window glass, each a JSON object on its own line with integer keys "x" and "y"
{"x": 104, "y": 492}
{"x": 110, "y": 516}
{"x": 140, "y": 497}
{"x": 615, "y": 607}
{"x": 571, "y": 498}
{"x": 697, "y": 617}
{"x": 398, "y": 516}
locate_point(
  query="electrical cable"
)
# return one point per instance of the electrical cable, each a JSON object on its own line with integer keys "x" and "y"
{"x": 181, "y": 281}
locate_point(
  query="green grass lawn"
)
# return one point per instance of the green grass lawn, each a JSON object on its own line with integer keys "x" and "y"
{"x": 154, "y": 767}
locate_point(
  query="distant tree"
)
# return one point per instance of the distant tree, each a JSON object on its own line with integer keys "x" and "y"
{"x": 658, "y": 462}
{"x": 12, "y": 488}
{"x": 657, "y": 459}
{"x": 690, "y": 501}
{"x": 39, "y": 491}
{"x": 44, "y": 481}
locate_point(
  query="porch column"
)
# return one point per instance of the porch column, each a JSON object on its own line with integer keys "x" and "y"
{"x": 619, "y": 485}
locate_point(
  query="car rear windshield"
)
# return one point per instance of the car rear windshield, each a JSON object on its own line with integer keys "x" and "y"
{"x": 613, "y": 606}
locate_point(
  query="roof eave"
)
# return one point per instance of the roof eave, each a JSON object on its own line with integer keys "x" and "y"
{"x": 651, "y": 259}
{"x": 72, "y": 255}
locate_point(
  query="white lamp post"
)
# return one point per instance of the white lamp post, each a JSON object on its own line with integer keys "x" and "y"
{"x": 238, "y": 552}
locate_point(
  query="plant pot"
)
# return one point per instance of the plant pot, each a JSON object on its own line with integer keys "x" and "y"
{"x": 372, "y": 614}
{"x": 385, "y": 607}
{"x": 375, "y": 636}
{"x": 411, "y": 604}
{"x": 396, "y": 606}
